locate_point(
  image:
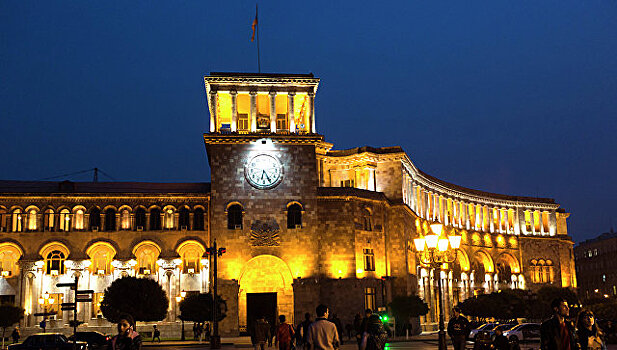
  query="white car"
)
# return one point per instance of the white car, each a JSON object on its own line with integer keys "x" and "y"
{"x": 524, "y": 332}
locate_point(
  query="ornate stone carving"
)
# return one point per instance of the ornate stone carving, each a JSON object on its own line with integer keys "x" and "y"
{"x": 265, "y": 234}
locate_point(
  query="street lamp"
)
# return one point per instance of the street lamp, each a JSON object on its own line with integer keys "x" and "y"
{"x": 179, "y": 298}
{"x": 434, "y": 250}
{"x": 45, "y": 301}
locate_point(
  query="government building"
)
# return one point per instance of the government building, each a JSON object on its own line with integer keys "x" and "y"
{"x": 302, "y": 223}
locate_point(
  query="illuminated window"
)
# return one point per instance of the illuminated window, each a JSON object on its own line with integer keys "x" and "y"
{"x": 234, "y": 217}
{"x": 146, "y": 254}
{"x": 471, "y": 215}
{"x": 244, "y": 110}
{"x": 369, "y": 260}
{"x": 243, "y": 122}
{"x": 198, "y": 219}
{"x": 367, "y": 225}
{"x": 369, "y": 298}
{"x": 49, "y": 219}
{"x": 347, "y": 183}
{"x": 97, "y": 299}
{"x": 169, "y": 219}
{"x": 140, "y": 218}
{"x": 79, "y": 219}
{"x": 281, "y": 112}
{"x": 545, "y": 222}
{"x": 184, "y": 218}
{"x": 281, "y": 122}
{"x": 125, "y": 219}
{"x": 101, "y": 254}
{"x": 17, "y": 221}
{"x": 528, "y": 221}
{"x": 536, "y": 221}
{"x": 263, "y": 112}
{"x": 95, "y": 219}
{"x": 155, "y": 219}
{"x": 9, "y": 255}
{"x": 191, "y": 253}
{"x": 294, "y": 216}
{"x": 65, "y": 220}
{"x": 54, "y": 262}
{"x": 32, "y": 217}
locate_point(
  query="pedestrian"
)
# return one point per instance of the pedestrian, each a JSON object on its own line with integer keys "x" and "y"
{"x": 501, "y": 341}
{"x": 339, "y": 326}
{"x": 589, "y": 335}
{"x": 284, "y": 334}
{"x": 348, "y": 329}
{"x": 200, "y": 331}
{"x": 207, "y": 331}
{"x": 322, "y": 334}
{"x": 375, "y": 334}
{"x": 357, "y": 326}
{"x": 15, "y": 335}
{"x": 557, "y": 333}
{"x": 127, "y": 338}
{"x": 195, "y": 335}
{"x": 43, "y": 325}
{"x": 156, "y": 334}
{"x": 260, "y": 333}
{"x": 458, "y": 329}
{"x": 302, "y": 331}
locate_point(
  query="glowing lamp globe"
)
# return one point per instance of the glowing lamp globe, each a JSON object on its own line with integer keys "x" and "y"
{"x": 442, "y": 244}
{"x": 431, "y": 241}
{"x": 419, "y": 243}
{"x": 455, "y": 241}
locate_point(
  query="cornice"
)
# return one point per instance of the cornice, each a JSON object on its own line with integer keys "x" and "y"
{"x": 218, "y": 138}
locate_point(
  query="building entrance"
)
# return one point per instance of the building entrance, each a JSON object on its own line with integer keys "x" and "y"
{"x": 260, "y": 304}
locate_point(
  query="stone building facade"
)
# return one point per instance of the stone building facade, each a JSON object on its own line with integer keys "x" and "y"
{"x": 302, "y": 223}
{"x": 596, "y": 266}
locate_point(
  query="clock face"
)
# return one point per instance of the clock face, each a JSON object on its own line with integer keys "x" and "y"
{"x": 263, "y": 171}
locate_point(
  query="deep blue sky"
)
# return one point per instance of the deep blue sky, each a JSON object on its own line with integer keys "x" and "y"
{"x": 514, "y": 97}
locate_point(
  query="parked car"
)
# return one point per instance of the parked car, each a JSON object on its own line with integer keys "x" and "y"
{"x": 48, "y": 341}
{"x": 524, "y": 332}
{"x": 504, "y": 327}
{"x": 474, "y": 332}
{"x": 95, "y": 340}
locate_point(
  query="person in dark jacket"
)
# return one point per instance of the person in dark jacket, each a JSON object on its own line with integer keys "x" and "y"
{"x": 557, "y": 333}
{"x": 302, "y": 331}
{"x": 501, "y": 341}
{"x": 260, "y": 333}
{"x": 588, "y": 333}
{"x": 127, "y": 338}
{"x": 458, "y": 329}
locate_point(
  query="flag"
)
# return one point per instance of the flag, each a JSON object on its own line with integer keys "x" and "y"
{"x": 254, "y": 26}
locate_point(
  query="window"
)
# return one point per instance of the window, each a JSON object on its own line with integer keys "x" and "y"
{"x": 54, "y": 262}
{"x": 95, "y": 219}
{"x": 79, "y": 219}
{"x": 140, "y": 218}
{"x": 367, "y": 225}
{"x": 243, "y": 122}
{"x": 65, "y": 220}
{"x": 294, "y": 216}
{"x": 347, "y": 183}
{"x": 146, "y": 253}
{"x": 97, "y": 299}
{"x": 155, "y": 219}
{"x": 110, "y": 219}
{"x": 49, "y": 219}
{"x": 184, "y": 218}
{"x": 528, "y": 221}
{"x": 369, "y": 298}
{"x": 369, "y": 260}
{"x": 32, "y": 220}
{"x": 198, "y": 219}
{"x": 191, "y": 252}
{"x": 281, "y": 122}
{"x": 9, "y": 255}
{"x": 101, "y": 255}
{"x": 234, "y": 217}
{"x": 125, "y": 219}
{"x": 169, "y": 219}
{"x": 17, "y": 221}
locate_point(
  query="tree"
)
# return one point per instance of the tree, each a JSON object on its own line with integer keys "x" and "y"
{"x": 542, "y": 309}
{"x": 142, "y": 298}
{"x": 9, "y": 315}
{"x": 198, "y": 308}
{"x": 603, "y": 308}
{"x": 403, "y": 308}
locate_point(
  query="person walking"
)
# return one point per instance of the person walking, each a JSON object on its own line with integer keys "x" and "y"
{"x": 375, "y": 334}
{"x": 557, "y": 333}
{"x": 322, "y": 334}
{"x": 458, "y": 329}
{"x": 357, "y": 326}
{"x": 156, "y": 334}
{"x": 501, "y": 341}
{"x": 302, "y": 331}
{"x": 588, "y": 333}
{"x": 15, "y": 335}
{"x": 284, "y": 334}
{"x": 127, "y": 338}
{"x": 260, "y": 333}
{"x": 339, "y": 326}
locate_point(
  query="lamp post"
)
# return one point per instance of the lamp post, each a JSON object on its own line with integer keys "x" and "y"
{"x": 434, "y": 250}
{"x": 46, "y": 301}
{"x": 179, "y": 299}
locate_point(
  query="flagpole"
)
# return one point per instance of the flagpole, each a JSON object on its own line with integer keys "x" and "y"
{"x": 258, "y": 57}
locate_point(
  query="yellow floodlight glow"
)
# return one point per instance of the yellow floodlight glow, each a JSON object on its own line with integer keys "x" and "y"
{"x": 443, "y": 244}
{"x": 431, "y": 241}
{"x": 419, "y": 243}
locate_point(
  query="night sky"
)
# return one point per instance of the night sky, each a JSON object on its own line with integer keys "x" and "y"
{"x": 513, "y": 97}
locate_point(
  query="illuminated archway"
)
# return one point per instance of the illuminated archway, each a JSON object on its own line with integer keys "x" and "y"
{"x": 146, "y": 254}
{"x": 10, "y": 253}
{"x": 55, "y": 254}
{"x": 266, "y": 274}
{"x": 101, "y": 254}
{"x": 191, "y": 253}
{"x": 507, "y": 266}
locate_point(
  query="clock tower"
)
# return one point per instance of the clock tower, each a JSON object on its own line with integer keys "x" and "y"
{"x": 262, "y": 150}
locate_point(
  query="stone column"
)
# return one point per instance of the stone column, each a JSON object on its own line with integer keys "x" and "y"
{"x": 234, "y": 110}
{"x": 213, "y": 108}
{"x": 552, "y": 223}
{"x": 291, "y": 112}
{"x": 491, "y": 220}
{"x": 272, "y": 95}
{"x": 253, "y": 116}
{"x": 521, "y": 220}
{"x": 311, "y": 112}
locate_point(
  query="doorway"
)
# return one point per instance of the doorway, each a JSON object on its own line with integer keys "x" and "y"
{"x": 260, "y": 304}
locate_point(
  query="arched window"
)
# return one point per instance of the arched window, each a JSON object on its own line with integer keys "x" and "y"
{"x": 548, "y": 272}
{"x": 110, "y": 219}
{"x": 367, "y": 224}
{"x": 146, "y": 254}
{"x": 191, "y": 252}
{"x": 198, "y": 219}
{"x": 9, "y": 255}
{"x": 155, "y": 219}
{"x": 140, "y": 218}
{"x": 79, "y": 219}
{"x": 184, "y": 219}
{"x": 65, "y": 220}
{"x": 505, "y": 273}
{"x": 169, "y": 219}
{"x": 125, "y": 219}
{"x": 101, "y": 255}
{"x": 17, "y": 221}
{"x": 95, "y": 219}
{"x": 49, "y": 220}
{"x": 54, "y": 262}
{"x": 32, "y": 218}
{"x": 294, "y": 216}
{"x": 234, "y": 217}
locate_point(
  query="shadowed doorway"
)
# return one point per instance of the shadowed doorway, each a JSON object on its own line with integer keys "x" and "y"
{"x": 260, "y": 304}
